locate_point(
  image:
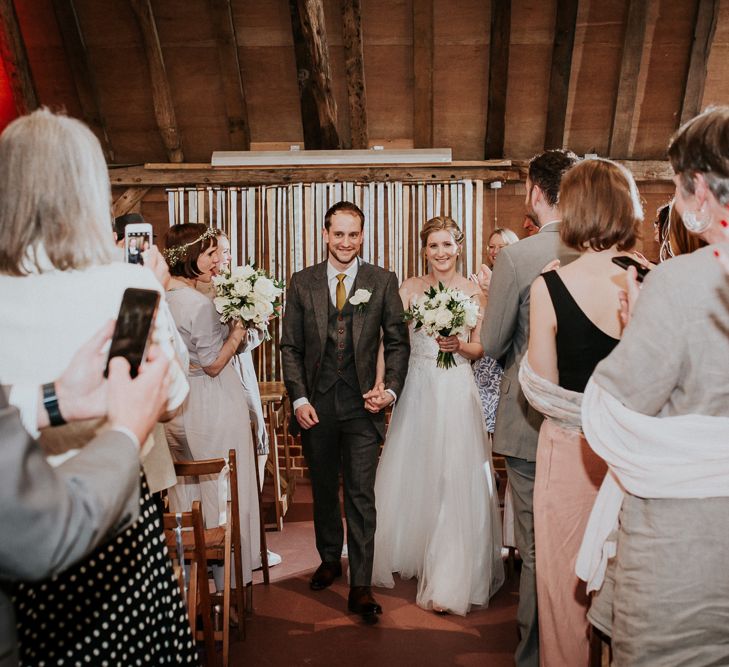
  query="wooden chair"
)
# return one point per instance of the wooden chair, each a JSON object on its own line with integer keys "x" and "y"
{"x": 222, "y": 543}
{"x": 187, "y": 527}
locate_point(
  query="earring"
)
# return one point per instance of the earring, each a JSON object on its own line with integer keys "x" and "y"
{"x": 697, "y": 222}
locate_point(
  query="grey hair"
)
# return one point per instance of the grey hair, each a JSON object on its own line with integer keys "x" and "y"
{"x": 55, "y": 196}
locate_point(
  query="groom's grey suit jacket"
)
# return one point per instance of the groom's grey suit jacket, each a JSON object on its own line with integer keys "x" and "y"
{"x": 305, "y": 332}
{"x": 505, "y": 334}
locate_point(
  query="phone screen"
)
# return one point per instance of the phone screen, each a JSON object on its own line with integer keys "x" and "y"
{"x": 133, "y": 327}
{"x": 135, "y": 243}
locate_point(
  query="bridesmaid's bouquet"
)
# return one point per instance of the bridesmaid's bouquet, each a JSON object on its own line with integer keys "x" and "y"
{"x": 248, "y": 294}
{"x": 443, "y": 311}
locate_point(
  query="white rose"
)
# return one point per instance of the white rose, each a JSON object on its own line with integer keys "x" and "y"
{"x": 443, "y": 319}
{"x": 220, "y": 303}
{"x": 263, "y": 309}
{"x": 361, "y": 296}
{"x": 244, "y": 272}
{"x": 429, "y": 316}
{"x": 248, "y": 313}
{"x": 264, "y": 289}
{"x": 241, "y": 287}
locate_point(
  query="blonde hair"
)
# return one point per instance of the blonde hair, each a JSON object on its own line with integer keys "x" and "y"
{"x": 55, "y": 195}
{"x": 441, "y": 223}
{"x": 600, "y": 206}
{"x": 507, "y": 236}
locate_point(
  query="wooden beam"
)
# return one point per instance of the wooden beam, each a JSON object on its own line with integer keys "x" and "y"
{"x": 236, "y": 106}
{"x": 128, "y": 200}
{"x": 422, "y": 73}
{"x": 158, "y": 175}
{"x": 559, "y": 78}
{"x": 707, "y": 13}
{"x": 77, "y": 56}
{"x": 630, "y": 67}
{"x": 164, "y": 110}
{"x": 15, "y": 57}
{"x": 354, "y": 66}
{"x": 498, "y": 78}
{"x": 311, "y": 48}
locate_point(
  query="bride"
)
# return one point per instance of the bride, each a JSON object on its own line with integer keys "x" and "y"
{"x": 437, "y": 516}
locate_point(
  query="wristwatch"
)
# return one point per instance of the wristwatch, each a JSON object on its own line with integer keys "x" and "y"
{"x": 50, "y": 403}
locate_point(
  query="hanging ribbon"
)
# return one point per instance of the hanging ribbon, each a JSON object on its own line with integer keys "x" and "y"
{"x": 181, "y": 553}
{"x": 223, "y": 479}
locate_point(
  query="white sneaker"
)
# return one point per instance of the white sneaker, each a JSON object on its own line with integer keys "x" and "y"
{"x": 273, "y": 558}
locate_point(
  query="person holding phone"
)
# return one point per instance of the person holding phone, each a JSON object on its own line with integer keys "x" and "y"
{"x": 59, "y": 282}
{"x": 213, "y": 419}
{"x": 574, "y": 324}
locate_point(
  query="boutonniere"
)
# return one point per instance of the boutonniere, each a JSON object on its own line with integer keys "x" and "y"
{"x": 360, "y": 299}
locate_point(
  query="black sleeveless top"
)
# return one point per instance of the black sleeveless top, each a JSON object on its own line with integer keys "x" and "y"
{"x": 580, "y": 344}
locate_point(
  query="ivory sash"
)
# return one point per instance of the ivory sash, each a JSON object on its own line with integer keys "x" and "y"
{"x": 685, "y": 456}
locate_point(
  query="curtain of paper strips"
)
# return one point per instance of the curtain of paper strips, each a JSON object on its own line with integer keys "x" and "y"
{"x": 279, "y": 228}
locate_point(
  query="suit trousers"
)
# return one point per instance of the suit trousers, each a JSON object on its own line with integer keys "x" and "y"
{"x": 521, "y": 477}
{"x": 344, "y": 439}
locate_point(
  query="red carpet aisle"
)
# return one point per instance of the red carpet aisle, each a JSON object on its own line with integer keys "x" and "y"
{"x": 295, "y": 626}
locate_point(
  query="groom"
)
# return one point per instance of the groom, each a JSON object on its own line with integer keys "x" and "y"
{"x": 336, "y": 314}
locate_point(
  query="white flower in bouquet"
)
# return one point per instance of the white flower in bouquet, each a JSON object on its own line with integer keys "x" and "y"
{"x": 444, "y": 312}
{"x": 244, "y": 272}
{"x": 265, "y": 289}
{"x": 242, "y": 287}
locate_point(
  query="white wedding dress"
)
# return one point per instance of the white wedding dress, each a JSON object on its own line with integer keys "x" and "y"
{"x": 437, "y": 512}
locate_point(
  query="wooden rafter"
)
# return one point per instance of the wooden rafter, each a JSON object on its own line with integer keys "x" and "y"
{"x": 498, "y": 78}
{"x": 559, "y": 78}
{"x": 630, "y": 67}
{"x": 707, "y": 12}
{"x": 311, "y": 48}
{"x": 158, "y": 175}
{"x": 128, "y": 200}
{"x": 354, "y": 66}
{"x": 236, "y": 106}
{"x": 422, "y": 73}
{"x": 15, "y": 57}
{"x": 75, "y": 49}
{"x": 164, "y": 110}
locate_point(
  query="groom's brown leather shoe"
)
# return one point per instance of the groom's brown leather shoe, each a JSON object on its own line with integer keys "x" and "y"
{"x": 362, "y": 602}
{"x": 325, "y": 575}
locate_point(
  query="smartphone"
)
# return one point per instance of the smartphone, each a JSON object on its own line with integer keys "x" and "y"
{"x": 624, "y": 262}
{"x": 134, "y": 326}
{"x": 137, "y": 239}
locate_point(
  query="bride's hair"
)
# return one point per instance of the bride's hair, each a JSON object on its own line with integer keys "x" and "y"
{"x": 442, "y": 222}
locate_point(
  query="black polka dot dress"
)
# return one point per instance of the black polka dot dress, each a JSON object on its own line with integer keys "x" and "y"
{"x": 121, "y": 605}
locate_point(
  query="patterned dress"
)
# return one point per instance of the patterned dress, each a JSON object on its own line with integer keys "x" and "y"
{"x": 487, "y": 373}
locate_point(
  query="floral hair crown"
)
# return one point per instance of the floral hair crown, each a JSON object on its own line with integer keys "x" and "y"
{"x": 174, "y": 254}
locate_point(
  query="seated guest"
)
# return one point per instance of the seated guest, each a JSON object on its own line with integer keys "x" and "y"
{"x": 52, "y": 517}
{"x": 656, "y": 410}
{"x": 212, "y": 420}
{"x": 573, "y": 324}
{"x": 58, "y": 284}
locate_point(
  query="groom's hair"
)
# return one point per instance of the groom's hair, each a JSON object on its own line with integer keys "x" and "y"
{"x": 347, "y": 207}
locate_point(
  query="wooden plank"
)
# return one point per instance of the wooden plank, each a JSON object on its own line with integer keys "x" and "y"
{"x": 311, "y": 48}
{"x": 630, "y": 71}
{"x": 236, "y": 105}
{"x": 354, "y": 67}
{"x": 164, "y": 109}
{"x": 77, "y": 55}
{"x": 559, "y": 79}
{"x": 498, "y": 78}
{"x": 15, "y": 58}
{"x": 707, "y": 13}
{"x": 128, "y": 200}
{"x": 203, "y": 174}
{"x": 422, "y": 73}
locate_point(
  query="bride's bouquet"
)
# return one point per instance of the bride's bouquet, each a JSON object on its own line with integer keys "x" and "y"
{"x": 443, "y": 312}
{"x": 248, "y": 294}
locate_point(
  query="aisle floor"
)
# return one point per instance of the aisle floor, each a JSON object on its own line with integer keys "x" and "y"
{"x": 293, "y": 625}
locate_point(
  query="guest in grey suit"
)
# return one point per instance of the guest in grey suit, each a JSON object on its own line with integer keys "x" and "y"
{"x": 504, "y": 336}
{"x": 52, "y": 517}
{"x": 337, "y": 312}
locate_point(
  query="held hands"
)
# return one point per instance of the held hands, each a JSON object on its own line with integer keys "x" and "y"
{"x": 306, "y": 416}
{"x": 449, "y": 343}
{"x": 377, "y": 398}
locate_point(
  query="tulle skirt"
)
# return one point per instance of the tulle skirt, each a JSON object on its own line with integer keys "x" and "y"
{"x": 437, "y": 514}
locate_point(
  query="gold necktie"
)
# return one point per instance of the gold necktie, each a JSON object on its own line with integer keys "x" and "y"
{"x": 341, "y": 291}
